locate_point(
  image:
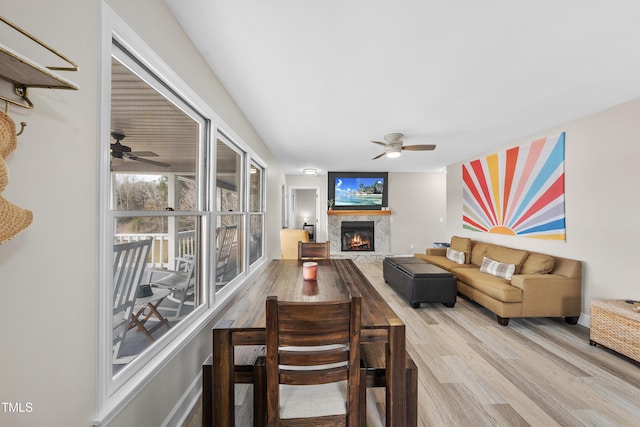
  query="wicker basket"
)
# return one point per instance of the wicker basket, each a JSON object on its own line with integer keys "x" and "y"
{"x": 616, "y": 325}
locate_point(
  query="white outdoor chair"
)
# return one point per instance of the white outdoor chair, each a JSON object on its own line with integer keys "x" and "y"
{"x": 129, "y": 261}
{"x": 179, "y": 283}
{"x": 226, "y": 237}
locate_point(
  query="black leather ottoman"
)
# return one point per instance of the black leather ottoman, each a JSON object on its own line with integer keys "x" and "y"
{"x": 418, "y": 281}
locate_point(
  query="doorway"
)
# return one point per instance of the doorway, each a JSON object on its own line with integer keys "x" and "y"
{"x": 305, "y": 210}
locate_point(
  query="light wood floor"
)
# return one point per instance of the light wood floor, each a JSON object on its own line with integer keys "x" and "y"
{"x": 474, "y": 372}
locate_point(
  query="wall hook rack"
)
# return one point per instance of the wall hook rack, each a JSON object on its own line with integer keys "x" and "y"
{"x": 22, "y": 124}
{"x": 24, "y": 73}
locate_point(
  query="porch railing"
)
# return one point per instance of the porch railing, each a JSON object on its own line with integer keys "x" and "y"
{"x": 160, "y": 255}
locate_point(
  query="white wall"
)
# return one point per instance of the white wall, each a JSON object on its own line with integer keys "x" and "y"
{"x": 602, "y": 201}
{"x": 418, "y": 203}
{"x": 48, "y": 274}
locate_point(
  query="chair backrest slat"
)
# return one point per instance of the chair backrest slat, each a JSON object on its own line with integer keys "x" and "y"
{"x": 314, "y": 250}
{"x": 313, "y": 343}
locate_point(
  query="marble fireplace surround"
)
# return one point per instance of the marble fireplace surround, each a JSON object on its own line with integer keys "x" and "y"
{"x": 381, "y": 219}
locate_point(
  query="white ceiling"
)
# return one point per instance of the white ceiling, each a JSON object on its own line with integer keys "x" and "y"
{"x": 319, "y": 79}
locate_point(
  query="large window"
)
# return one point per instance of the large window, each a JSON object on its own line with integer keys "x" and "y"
{"x": 182, "y": 215}
{"x": 155, "y": 175}
{"x": 256, "y": 211}
{"x": 230, "y": 212}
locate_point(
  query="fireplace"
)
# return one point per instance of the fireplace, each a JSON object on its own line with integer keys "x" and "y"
{"x": 357, "y": 236}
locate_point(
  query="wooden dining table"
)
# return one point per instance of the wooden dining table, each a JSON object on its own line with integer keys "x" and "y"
{"x": 337, "y": 279}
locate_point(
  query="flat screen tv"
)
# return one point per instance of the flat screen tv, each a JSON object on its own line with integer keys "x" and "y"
{"x": 358, "y": 190}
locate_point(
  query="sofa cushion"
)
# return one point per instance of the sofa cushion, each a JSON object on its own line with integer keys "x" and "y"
{"x": 538, "y": 264}
{"x": 478, "y": 252}
{"x": 455, "y": 255}
{"x": 436, "y": 251}
{"x": 462, "y": 244}
{"x": 507, "y": 256}
{"x": 442, "y": 261}
{"x": 493, "y": 286}
{"x": 496, "y": 268}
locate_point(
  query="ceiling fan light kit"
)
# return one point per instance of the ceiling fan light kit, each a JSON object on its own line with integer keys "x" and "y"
{"x": 394, "y": 153}
{"x": 394, "y": 145}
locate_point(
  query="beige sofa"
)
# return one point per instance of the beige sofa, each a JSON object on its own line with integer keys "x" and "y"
{"x": 541, "y": 285}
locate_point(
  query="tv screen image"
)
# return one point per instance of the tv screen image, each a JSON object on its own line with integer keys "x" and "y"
{"x": 359, "y": 191}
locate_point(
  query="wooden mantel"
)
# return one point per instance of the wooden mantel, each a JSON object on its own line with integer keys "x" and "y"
{"x": 357, "y": 212}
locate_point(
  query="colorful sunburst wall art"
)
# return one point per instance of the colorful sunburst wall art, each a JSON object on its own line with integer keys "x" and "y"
{"x": 518, "y": 192}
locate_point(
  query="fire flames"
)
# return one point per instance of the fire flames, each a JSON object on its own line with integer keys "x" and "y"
{"x": 357, "y": 242}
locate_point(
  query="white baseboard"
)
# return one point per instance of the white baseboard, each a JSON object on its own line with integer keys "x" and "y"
{"x": 584, "y": 320}
{"x": 188, "y": 400}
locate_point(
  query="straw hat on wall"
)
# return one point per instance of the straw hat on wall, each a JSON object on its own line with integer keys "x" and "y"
{"x": 13, "y": 219}
{"x": 8, "y": 138}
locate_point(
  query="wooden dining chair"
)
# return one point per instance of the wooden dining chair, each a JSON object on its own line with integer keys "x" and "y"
{"x": 314, "y": 250}
{"x": 313, "y": 374}
{"x": 373, "y": 356}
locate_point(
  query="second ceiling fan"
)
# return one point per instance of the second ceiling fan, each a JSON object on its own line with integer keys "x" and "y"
{"x": 394, "y": 146}
{"x": 119, "y": 151}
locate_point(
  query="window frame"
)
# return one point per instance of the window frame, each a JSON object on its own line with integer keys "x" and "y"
{"x": 260, "y": 211}
{"x": 130, "y": 52}
{"x": 240, "y": 211}
{"x": 114, "y": 392}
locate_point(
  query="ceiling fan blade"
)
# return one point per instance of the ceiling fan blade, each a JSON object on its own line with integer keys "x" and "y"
{"x": 143, "y": 154}
{"x": 143, "y": 160}
{"x": 384, "y": 144}
{"x": 419, "y": 147}
{"x": 379, "y": 155}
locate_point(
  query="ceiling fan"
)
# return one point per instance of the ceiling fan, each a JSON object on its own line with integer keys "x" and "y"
{"x": 119, "y": 151}
{"x": 394, "y": 145}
